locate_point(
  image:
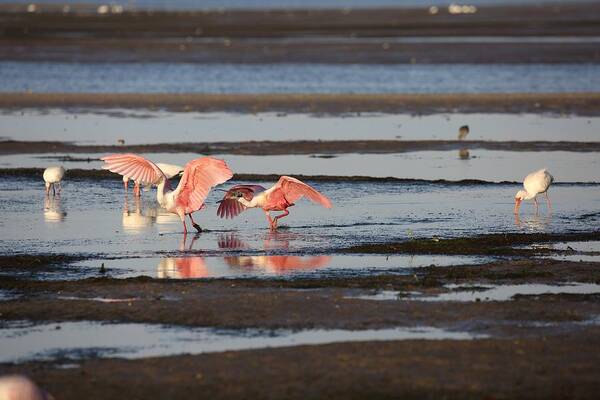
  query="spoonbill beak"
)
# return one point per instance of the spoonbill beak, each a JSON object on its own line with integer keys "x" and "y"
{"x": 517, "y": 205}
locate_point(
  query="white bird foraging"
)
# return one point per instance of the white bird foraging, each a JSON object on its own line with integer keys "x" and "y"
{"x": 52, "y": 177}
{"x": 535, "y": 183}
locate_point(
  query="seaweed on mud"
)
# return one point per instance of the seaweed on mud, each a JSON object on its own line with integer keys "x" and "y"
{"x": 36, "y": 261}
{"x": 313, "y": 148}
{"x": 492, "y": 244}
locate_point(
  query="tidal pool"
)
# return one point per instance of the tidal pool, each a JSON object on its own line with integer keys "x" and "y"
{"x": 106, "y": 127}
{"x": 22, "y": 341}
{"x": 485, "y": 292}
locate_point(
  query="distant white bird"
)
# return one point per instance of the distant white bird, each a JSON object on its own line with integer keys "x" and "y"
{"x": 53, "y": 176}
{"x": 170, "y": 170}
{"x": 535, "y": 183}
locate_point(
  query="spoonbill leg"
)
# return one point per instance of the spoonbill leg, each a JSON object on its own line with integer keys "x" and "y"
{"x": 548, "y": 201}
{"x": 194, "y": 224}
{"x": 285, "y": 213}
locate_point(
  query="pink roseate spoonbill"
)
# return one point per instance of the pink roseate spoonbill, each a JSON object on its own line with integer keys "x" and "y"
{"x": 199, "y": 176}
{"x": 52, "y": 177}
{"x": 535, "y": 183}
{"x": 278, "y": 198}
{"x": 169, "y": 170}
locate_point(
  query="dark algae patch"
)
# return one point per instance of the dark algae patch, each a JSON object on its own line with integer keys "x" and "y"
{"x": 502, "y": 244}
{"x": 26, "y": 261}
{"x": 302, "y": 147}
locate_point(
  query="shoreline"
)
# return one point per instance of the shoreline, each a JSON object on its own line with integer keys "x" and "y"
{"x": 584, "y": 104}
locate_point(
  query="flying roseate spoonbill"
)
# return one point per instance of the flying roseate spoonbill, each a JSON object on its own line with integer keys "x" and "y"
{"x": 199, "y": 176}
{"x": 535, "y": 183}
{"x": 278, "y": 198}
{"x": 170, "y": 170}
{"x": 52, "y": 177}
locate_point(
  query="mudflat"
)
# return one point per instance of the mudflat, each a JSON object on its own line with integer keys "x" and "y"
{"x": 363, "y": 35}
{"x": 536, "y": 345}
{"x": 560, "y": 103}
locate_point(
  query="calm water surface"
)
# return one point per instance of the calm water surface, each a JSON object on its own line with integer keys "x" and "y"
{"x": 296, "y": 78}
{"x": 146, "y": 127}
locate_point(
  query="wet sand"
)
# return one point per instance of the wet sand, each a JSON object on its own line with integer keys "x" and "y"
{"x": 272, "y": 36}
{"x": 559, "y": 103}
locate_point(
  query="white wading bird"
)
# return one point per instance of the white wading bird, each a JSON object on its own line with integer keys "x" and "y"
{"x": 53, "y": 176}
{"x": 535, "y": 183}
{"x": 199, "y": 176}
{"x": 169, "y": 170}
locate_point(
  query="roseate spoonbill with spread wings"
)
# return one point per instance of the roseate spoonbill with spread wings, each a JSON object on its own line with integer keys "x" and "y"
{"x": 199, "y": 176}
{"x": 53, "y": 176}
{"x": 535, "y": 183}
{"x": 169, "y": 170}
{"x": 278, "y": 198}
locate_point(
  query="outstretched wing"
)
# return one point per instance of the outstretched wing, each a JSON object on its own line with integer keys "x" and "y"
{"x": 230, "y": 207}
{"x": 133, "y": 166}
{"x": 293, "y": 189}
{"x": 199, "y": 176}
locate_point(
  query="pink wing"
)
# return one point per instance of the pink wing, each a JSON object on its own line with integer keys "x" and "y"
{"x": 230, "y": 207}
{"x": 293, "y": 189}
{"x": 199, "y": 176}
{"x": 132, "y": 166}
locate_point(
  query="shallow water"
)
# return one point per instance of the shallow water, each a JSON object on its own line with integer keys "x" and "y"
{"x": 253, "y": 4}
{"x": 486, "y": 165}
{"x": 264, "y": 266}
{"x": 106, "y": 127}
{"x": 92, "y": 217}
{"x": 297, "y": 78}
{"x": 474, "y": 292}
{"x": 22, "y": 341}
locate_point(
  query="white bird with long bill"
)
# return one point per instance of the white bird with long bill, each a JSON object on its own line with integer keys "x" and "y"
{"x": 199, "y": 176}
{"x": 535, "y": 183}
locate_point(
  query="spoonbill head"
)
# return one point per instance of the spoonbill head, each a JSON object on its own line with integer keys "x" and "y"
{"x": 278, "y": 198}
{"x": 535, "y": 183}
{"x": 199, "y": 176}
{"x": 53, "y": 176}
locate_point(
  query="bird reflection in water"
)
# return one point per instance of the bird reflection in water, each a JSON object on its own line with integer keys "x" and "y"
{"x": 231, "y": 241}
{"x": 183, "y": 267}
{"x": 277, "y": 264}
{"x": 133, "y": 220}
{"x": 53, "y": 210}
{"x": 463, "y": 153}
{"x": 534, "y": 223}
{"x": 270, "y": 263}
